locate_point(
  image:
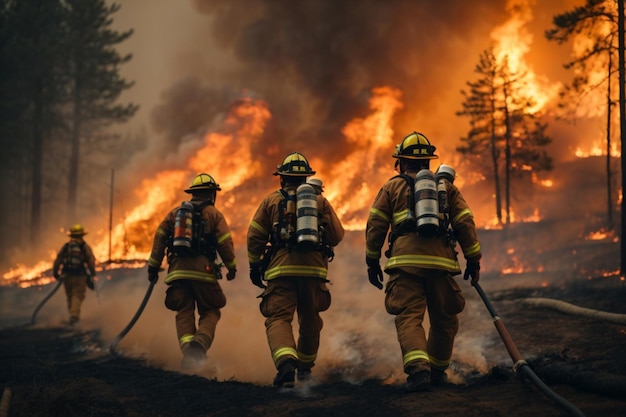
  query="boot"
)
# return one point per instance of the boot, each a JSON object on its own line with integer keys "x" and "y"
{"x": 286, "y": 374}
{"x": 418, "y": 382}
{"x": 304, "y": 374}
{"x": 194, "y": 356}
{"x": 438, "y": 377}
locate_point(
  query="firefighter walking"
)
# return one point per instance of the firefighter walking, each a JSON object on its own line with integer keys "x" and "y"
{"x": 192, "y": 235}
{"x": 290, "y": 241}
{"x": 75, "y": 264}
{"x": 428, "y": 216}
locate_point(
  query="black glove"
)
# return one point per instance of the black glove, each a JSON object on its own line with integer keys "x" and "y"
{"x": 472, "y": 270}
{"x": 153, "y": 274}
{"x": 255, "y": 275}
{"x": 231, "y": 274}
{"x": 56, "y": 275}
{"x": 374, "y": 273}
{"x": 90, "y": 283}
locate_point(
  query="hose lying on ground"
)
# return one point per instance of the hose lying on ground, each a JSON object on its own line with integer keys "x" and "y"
{"x": 50, "y": 294}
{"x": 113, "y": 347}
{"x": 592, "y": 381}
{"x": 519, "y": 363}
{"x": 572, "y": 309}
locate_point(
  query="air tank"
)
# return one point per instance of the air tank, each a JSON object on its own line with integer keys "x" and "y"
{"x": 307, "y": 234}
{"x": 426, "y": 204}
{"x": 183, "y": 227}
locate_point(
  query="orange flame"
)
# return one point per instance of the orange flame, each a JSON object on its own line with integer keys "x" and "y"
{"x": 511, "y": 43}
{"x": 370, "y": 159}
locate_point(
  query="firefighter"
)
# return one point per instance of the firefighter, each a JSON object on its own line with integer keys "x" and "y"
{"x": 192, "y": 277}
{"x": 295, "y": 275}
{"x": 421, "y": 268}
{"x": 75, "y": 264}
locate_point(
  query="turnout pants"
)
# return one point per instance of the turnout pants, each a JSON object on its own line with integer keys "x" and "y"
{"x": 184, "y": 296}
{"x": 408, "y": 297}
{"x": 75, "y": 288}
{"x": 282, "y": 298}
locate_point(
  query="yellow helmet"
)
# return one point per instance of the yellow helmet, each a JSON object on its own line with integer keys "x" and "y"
{"x": 76, "y": 231}
{"x": 294, "y": 165}
{"x": 203, "y": 182}
{"x": 415, "y": 146}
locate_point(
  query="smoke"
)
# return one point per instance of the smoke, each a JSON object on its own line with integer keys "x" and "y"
{"x": 358, "y": 340}
{"x": 316, "y": 65}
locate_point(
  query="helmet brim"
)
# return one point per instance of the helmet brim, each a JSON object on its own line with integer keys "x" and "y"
{"x": 76, "y": 234}
{"x": 416, "y": 157}
{"x": 194, "y": 189}
{"x": 283, "y": 174}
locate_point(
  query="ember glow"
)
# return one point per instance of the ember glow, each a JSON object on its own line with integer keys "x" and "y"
{"x": 602, "y": 234}
{"x": 598, "y": 148}
{"x": 535, "y": 217}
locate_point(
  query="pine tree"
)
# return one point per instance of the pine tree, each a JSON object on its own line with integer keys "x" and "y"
{"x": 94, "y": 81}
{"x": 503, "y": 128}
{"x": 31, "y": 59}
{"x": 597, "y": 22}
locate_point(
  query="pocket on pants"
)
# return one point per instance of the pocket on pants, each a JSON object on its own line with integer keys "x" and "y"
{"x": 266, "y": 305}
{"x": 392, "y": 304}
{"x": 176, "y": 296}
{"x": 216, "y": 297}
{"x": 323, "y": 297}
{"x": 454, "y": 302}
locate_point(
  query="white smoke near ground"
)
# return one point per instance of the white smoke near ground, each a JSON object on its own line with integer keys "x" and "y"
{"x": 358, "y": 341}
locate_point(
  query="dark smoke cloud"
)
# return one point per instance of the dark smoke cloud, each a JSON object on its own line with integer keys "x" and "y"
{"x": 316, "y": 62}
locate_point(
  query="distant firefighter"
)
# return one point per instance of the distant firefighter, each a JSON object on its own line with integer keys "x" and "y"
{"x": 428, "y": 216}
{"x": 193, "y": 235}
{"x": 75, "y": 265}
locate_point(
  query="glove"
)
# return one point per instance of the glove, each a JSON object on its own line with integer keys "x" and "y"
{"x": 374, "y": 273}
{"x": 90, "y": 283}
{"x": 255, "y": 275}
{"x": 472, "y": 270}
{"x": 56, "y": 275}
{"x": 231, "y": 274}
{"x": 153, "y": 274}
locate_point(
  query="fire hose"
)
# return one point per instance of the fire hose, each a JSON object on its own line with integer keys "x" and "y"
{"x": 575, "y": 310}
{"x": 50, "y": 294}
{"x": 116, "y": 341}
{"x": 519, "y": 364}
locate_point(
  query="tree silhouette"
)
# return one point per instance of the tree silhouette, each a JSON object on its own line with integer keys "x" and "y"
{"x": 60, "y": 82}
{"x": 597, "y": 23}
{"x": 503, "y": 128}
{"x": 94, "y": 81}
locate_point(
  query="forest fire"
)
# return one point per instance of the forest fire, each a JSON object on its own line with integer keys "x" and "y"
{"x": 348, "y": 185}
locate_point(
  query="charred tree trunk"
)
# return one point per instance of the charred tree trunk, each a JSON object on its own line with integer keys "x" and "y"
{"x": 507, "y": 158}
{"x": 37, "y": 132}
{"x": 622, "y": 125}
{"x": 494, "y": 157}
{"x": 609, "y": 104}
{"x": 72, "y": 194}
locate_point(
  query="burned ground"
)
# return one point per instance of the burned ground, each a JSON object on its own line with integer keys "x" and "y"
{"x": 48, "y": 369}
{"x": 57, "y": 371}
